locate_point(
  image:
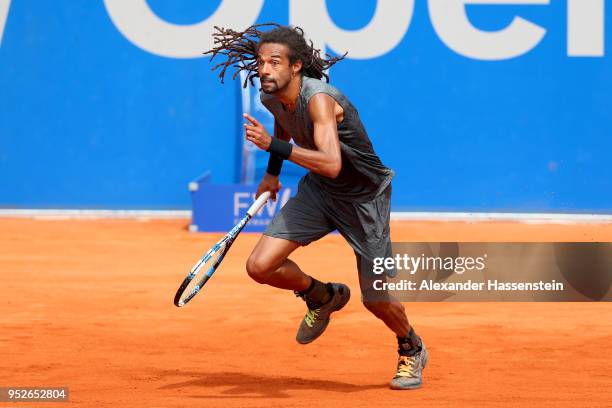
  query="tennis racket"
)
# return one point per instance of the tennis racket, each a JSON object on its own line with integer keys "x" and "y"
{"x": 208, "y": 264}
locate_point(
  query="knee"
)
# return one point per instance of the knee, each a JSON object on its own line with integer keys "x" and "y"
{"x": 258, "y": 269}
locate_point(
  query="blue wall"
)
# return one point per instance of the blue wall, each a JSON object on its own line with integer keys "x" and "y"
{"x": 90, "y": 120}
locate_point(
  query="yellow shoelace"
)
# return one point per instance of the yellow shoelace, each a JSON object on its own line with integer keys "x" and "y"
{"x": 311, "y": 316}
{"x": 405, "y": 367}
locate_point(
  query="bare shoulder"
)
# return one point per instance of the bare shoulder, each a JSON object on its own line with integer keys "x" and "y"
{"x": 321, "y": 107}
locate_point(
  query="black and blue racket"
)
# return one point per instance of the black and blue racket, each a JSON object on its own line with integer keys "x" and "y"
{"x": 208, "y": 264}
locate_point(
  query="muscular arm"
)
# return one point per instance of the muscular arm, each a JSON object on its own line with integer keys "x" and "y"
{"x": 326, "y": 160}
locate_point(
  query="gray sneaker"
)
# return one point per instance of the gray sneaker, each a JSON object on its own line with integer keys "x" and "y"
{"x": 409, "y": 373}
{"x": 316, "y": 320}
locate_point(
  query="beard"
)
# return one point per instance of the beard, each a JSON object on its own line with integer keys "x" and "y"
{"x": 269, "y": 86}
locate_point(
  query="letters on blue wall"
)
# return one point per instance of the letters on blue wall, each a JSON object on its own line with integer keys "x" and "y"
{"x": 477, "y": 107}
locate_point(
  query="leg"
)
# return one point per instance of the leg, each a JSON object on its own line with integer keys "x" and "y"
{"x": 383, "y": 306}
{"x": 300, "y": 222}
{"x": 392, "y": 313}
{"x": 268, "y": 264}
{"x": 413, "y": 355}
{"x": 365, "y": 226}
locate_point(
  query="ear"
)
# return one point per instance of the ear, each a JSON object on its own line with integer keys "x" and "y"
{"x": 296, "y": 67}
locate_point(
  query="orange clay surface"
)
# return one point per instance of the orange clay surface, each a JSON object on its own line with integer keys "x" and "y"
{"x": 88, "y": 304}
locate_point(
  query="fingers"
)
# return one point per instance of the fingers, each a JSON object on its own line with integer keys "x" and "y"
{"x": 256, "y": 133}
{"x": 253, "y": 137}
{"x": 256, "y": 141}
{"x": 259, "y": 138}
{"x": 272, "y": 193}
{"x": 251, "y": 119}
{"x": 252, "y": 132}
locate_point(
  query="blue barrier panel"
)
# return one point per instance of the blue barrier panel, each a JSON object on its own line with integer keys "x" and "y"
{"x": 477, "y": 106}
{"x": 218, "y": 207}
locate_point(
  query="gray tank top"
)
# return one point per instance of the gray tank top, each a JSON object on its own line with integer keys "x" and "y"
{"x": 363, "y": 176}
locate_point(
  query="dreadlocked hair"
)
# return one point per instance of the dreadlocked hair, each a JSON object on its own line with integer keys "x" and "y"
{"x": 240, "y": 50}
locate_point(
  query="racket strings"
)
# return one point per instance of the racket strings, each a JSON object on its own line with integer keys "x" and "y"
{"x": 200, "y": 275}
{"x": 205, "y": 268}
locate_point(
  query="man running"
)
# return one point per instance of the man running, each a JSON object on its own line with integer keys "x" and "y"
{"x": 347, "y": 188}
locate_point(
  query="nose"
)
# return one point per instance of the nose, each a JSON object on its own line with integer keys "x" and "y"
{"x": 264, "y": 69}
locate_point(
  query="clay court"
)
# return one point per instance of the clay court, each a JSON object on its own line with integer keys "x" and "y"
{"x": 87, "y": 304}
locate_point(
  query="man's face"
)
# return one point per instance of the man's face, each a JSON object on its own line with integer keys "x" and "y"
{"x": 273, "y": 66}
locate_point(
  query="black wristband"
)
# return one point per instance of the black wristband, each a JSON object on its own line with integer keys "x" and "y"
{"x": 275, "y": 164}
{"x": 280, "y": 148}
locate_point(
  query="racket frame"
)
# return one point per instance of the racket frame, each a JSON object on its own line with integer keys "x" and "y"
{"x": 228, "y": 240}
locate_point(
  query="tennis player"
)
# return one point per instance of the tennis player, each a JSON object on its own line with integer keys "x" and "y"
{"x": 347, "y": 187}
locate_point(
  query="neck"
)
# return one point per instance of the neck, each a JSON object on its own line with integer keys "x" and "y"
{"x": 289, "y": 95}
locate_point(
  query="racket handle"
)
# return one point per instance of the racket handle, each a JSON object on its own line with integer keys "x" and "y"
{"x": 261, "y": 200}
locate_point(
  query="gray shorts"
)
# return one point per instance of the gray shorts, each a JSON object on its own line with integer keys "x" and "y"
{"x": 312, "y": 214}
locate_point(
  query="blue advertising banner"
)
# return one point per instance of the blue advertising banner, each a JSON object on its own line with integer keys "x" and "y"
{"x": 218, "y": 207}
{"x": 478, "y": 105}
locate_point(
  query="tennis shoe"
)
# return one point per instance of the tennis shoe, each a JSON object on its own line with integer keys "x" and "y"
{"x": 317, "y": 318}
{"x": 409, "y": 373}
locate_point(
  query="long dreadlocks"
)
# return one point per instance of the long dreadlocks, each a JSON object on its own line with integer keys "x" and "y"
{"x": 240, "y": 49}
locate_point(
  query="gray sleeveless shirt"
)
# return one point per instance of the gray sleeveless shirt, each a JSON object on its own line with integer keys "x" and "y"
{"x": 363, "y": 176}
